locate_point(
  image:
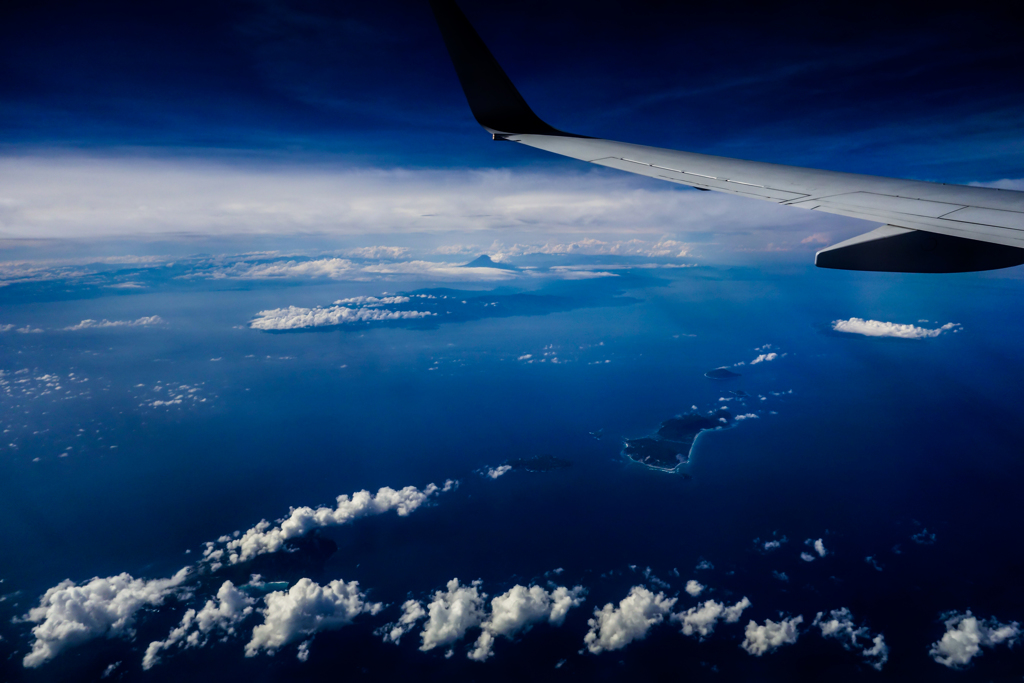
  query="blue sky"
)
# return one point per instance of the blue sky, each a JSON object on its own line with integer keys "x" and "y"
{"x": 924, "y": 90}
{"x": 347, "y": 118}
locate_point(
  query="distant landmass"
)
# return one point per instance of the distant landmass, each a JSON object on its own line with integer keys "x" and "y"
{"x": 721, "y": 373}
{"x": 671, "y": 446}
{"x": 540, "y": 463}
{"x": 485, "y": 261}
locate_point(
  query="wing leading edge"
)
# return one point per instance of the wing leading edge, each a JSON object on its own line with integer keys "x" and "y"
{"x": 927, "y": 227}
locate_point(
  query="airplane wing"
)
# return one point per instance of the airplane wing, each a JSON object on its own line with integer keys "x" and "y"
{"x": 926, "y": 227}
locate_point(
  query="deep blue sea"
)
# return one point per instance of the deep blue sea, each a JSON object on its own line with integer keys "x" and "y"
{"x": 861, "y": 442}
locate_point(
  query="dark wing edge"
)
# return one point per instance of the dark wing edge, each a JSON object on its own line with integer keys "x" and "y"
{"x": 498, "y": 107}
{"x": 494, "y": 101}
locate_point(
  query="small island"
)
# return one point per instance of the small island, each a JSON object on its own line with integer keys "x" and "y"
{"x": 670, "y": 447}
{"x": 721, "y": 373}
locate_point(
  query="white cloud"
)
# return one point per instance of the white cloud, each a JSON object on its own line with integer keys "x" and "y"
{"x": 694, "y": 587}
{"x": 818, "y": 545}
{"x": 76, "y": 196}
{"x": 495, "y": 472}
{"x": 700, "y": 620}
{"x": 377, "y": 252}
{"x": 519, "y": 608}
{"x": 875, "y": 328}
{"x": 304, "y": 610}
{"x": 69, "y": 614}
{"x": 839, "y": 625}
{"x": 372, "y": 300}
{"x": 295, "y": 318}
{"x": 267, "y": 538}
{"x": 223, "y": 614}
{"x": 595, "y": 247}
{"x": 140, "y": 322}
{"x": 412, "y": 612}
{"x": 764, "y": 358}
{"x": 451, "y": 613}
{"x": 763, "y": 638}
{"x": 807, "y": 557}
{"x": 613, "y": 628}
{"x": 965, "y": 636}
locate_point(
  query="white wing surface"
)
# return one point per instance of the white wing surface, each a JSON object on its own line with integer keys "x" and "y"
{"x": 927, "y": 227}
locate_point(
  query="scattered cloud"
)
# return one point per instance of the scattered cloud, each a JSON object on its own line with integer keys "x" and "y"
{"x": 95, "y": 324}
{"x": 222, "y": 614}
{"x": 451, "y": 613}
{"x": 700, "y": 620}
{"x": 807, "y": 557}
{"x": 965, "y": 636}
{"x": 412, "y": 612}
{"x": 303, "y": 611}
{"x": 764, "y": 358}
{"x": 875, "y": 328}
{"x": 70, "y": 614}
{"x": 519, "y": 608}
{"x": 923, "y": 537}
{"x": 694, "y": 588}
{"x": 760, "y": 639}
{"x": 613, "y": 628}
{"x": 839, "y": 625}
{"x": 268, "y": 538}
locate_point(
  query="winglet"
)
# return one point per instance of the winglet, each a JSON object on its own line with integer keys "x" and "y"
{"x": 495, "y": 102}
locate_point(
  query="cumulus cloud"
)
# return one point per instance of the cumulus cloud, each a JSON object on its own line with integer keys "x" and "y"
{"x": 519, "y": 608}
{"x": 295, "y": 318}
{"x": 268, "y": 538}
{"x": 839, "y": 625}
{"x": 807, "y": 557}
{"x": 613, "y": 628}
{"x": 303, "y": 611}
{"x": 875, "y": 328}
{"x": 70, "y": 614}
{"x": 222, "y": 614}
{"x": 700, "y": 621}
{"x": 694, "y": 587}
{"x": 764, "y": 358}
{"x": 140, "y": 322}
{"x": 451, "y": 613}
{"x": 767, "y": 637}
{"x": 965, "y": 636}
{"x": 412, "y": 612}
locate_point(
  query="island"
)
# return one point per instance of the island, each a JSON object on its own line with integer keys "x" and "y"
{"x": 721, "y": 373}
{"x": 540, "y": 463}
{"x": 670, "y": 447}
